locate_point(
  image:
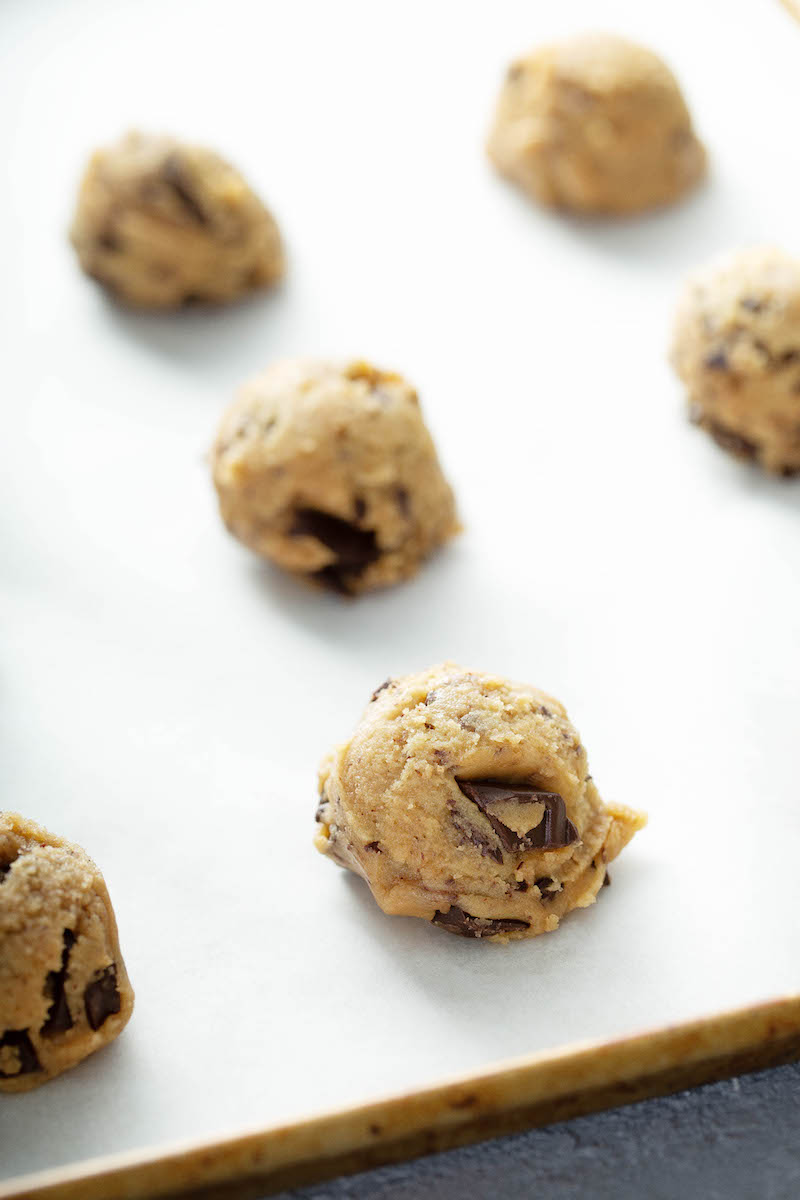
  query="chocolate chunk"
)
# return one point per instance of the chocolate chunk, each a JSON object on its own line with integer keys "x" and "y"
{"x": 321, "y": 806}
{"x": 108, "y": 240}
{"x": 4, "y": 870}
{"x": 470, "y": 834}
{"x": 59, "y": 1018}
{"x": 17, "y": 1039}
{"x": 606, "y": 880}
{"x": 521, "y": 885}
{"x": 374, "y": 847}
{"x": 716, "y": 361}
{"x": 455, "y": 920}
{"x": 402, "y": 500}
{"x": 381, "y": 687}
{"x": 553, "y": 831}
{"x": 101, "y": 997}
{"x": 734, "y": 443}
{"x": 544, "y": 884}
{"x": 175, "y": 176}
{"x": 354, "y": 548}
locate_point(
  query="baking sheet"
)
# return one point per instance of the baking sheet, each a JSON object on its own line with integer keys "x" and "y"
{"x": 166, "y": 698}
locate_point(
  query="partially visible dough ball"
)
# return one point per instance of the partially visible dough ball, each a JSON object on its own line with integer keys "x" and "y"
{"x": 736, "y": 346}
{"x": 595, "y": 124}
{"x": 465, "y": 799}
{"x": 64, "y": 990}
{"x": 160, "y": 224}
{"x": 330, "y": 472}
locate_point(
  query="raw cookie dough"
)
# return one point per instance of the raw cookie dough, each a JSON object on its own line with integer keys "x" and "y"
{"x": 329, "y": 471}
{"x": 161, "y": 224}
{"x": 595, "y": 124}
{"x": 465, "y": 799}
{"x": 736, "y": 346}
{"x": 64, "y": 991}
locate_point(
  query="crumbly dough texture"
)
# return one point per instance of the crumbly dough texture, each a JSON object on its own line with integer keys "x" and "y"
{"x": 64, "y": 990}
{"x": 595, "y": 124}
{"x": 465, "y": 799}
{"x": 330, "y": 472}
{"x": 161, "y": 224}
{"x": 736, "y": 346}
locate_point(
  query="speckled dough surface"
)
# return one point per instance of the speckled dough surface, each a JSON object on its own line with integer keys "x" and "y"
{"x": 465, "y": 799}
{"x": 595, "y": 124}
{"x": 330, "y": 472}
{"x": 160, "y": 224}
{"x": 64, "y": 991}
{"x": 736, "y": 346}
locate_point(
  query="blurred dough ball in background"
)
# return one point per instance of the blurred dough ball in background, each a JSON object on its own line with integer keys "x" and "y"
{"x": 736, "y": 346}
{"x": 329, "y": 471}
{"x": 161, "y": 223}
{"x": 595, "y": 124}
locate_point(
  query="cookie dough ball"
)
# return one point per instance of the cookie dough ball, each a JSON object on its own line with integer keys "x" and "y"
{"x": 465, "y": 799}
{"x": 161, "y": 224}
{"x": 330, "y": 472}
{"x": 64, "y": 991}
{"x": 736, "y": 346}
{"x": 595, "y": 124}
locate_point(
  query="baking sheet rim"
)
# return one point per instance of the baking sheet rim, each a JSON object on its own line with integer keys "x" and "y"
{"x": 515, "y": 1094}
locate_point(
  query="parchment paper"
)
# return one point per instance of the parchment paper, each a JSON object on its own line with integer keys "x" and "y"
{"x": 166, "y": 698}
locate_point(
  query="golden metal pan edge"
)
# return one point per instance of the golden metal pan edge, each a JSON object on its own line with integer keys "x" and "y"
{"x": 517, "y": 1094}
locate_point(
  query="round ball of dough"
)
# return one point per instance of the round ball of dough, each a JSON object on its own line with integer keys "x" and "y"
{"x": 736, "y": 346}
{"x": 161, "y": 224}
{"x": 595, "y": 124}
{"x": 330, "y": 472}
{"x": 64, "y": 990}
{"x": 465, "y": 799}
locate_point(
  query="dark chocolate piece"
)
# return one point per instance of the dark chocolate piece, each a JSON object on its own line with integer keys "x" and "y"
{"x": 553, "y": 831}
{"x": 455, "y": 920}
{"x": 353, "y": 547}
{"x": 101, "y": 997}
{"x": 386, "y": 683}
{"x": 606, "y": 880}
{"x": 543, "y": 884}
{"x": 716, "y": 361}
{"x": 4, "y": 869}
{"x": 402, "y": 500}
{"x": 175, "y": 176}
{"x": 321, "y": 805}
{"x": 18, "y": 1040}
{"x": 474, "y": 836}
{"x": 734, "y": 443}
{"x": 374, "y": 847}
{"x": 59, "y": 1018}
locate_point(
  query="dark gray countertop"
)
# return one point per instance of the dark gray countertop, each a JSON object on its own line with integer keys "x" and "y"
{"x": 735, "y": 1140}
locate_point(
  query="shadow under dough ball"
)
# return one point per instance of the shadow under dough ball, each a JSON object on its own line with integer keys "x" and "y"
{"x": 595, "y": 124}
{"x": 736, "y": 346}
{"x": 64, "y": 990}
{"x": 330, "y": 472}
{"x": 161, "y": 224}
{"x": 465, "y": 799}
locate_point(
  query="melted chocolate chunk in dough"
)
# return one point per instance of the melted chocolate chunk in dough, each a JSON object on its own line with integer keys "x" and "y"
{"x": 504, "y": 805}
{"x": 17, "y": 1042}
{"x": 455, "y": 920}
{"x": 59, "y": 1018}
{"x": 101, "y": 997}
{"x": 354, "y": 548}
{"x": 734, "y": 443}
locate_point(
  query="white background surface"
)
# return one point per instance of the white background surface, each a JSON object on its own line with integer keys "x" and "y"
{"x": 166, "y": 698}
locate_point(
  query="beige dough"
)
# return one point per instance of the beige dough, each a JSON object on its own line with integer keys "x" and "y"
{"x": 736, "y": 346}
{"x": 161, "y": 224}
{"x": 465, "y": 799}
{"x": 595, "y": 124}
{"x": 64, "y": 991}
{"x": 329, "y": 471}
